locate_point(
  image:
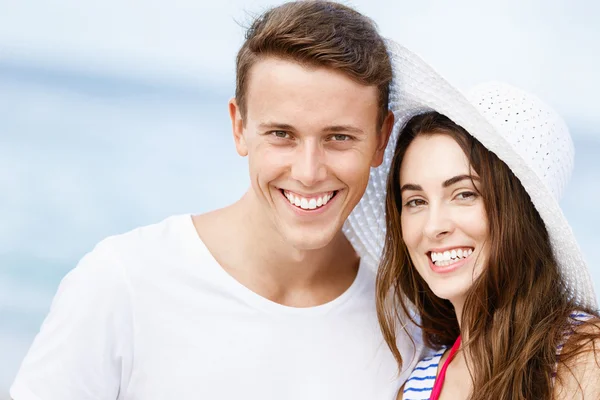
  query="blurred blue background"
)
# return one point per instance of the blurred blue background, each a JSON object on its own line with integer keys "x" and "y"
{"x": 113, "y": 114}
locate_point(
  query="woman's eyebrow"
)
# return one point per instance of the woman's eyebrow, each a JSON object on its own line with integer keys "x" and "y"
{"x": 446, "y": 183}
{"x": 459, "y": 178}
{"x": 410, "y": 186}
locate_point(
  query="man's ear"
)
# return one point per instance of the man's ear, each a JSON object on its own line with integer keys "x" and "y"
{"x": 237, "y": 125}
{"x": 383, "y": 139}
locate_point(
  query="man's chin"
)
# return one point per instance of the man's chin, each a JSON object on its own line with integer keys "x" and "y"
{"x": 309, "y": 241}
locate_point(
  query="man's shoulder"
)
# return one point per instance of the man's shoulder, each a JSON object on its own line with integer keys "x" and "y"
{"x": 156, "y": 235}
{"x": 139, "y": 249}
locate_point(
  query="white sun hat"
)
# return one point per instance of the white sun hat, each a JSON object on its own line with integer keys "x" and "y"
{"x": 519, "y": 128}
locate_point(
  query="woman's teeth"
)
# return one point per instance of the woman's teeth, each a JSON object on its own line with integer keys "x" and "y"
{"x": 450, "y": 256}
{"x": 310, "y": 203}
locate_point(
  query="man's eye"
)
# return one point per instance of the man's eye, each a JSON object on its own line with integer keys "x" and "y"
{"x": 340, "y": 137}
{"x": 280, "y": 134}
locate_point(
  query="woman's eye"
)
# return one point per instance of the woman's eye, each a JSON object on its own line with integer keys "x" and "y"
{"x": 466, "y": 195}
{"x": 415, "y": 203}
{"x": 280, "y": 134}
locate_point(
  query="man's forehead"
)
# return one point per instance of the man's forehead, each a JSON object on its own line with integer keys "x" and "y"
{"x": 278, "y": 84}
{"x": 290, "y": 72}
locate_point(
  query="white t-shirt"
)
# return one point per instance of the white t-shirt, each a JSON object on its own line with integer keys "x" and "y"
{"x": 150, "y": 315}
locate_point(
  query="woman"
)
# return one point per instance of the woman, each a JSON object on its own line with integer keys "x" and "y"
{"x": 476, "y": 248}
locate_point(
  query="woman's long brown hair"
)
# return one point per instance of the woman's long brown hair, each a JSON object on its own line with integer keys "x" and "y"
{"x": 517, "y": 311}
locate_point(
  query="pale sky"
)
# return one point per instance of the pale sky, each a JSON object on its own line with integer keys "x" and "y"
{"x": 551, "y": 47}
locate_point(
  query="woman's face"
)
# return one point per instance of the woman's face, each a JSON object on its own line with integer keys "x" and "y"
{"x": 444, "y": 223}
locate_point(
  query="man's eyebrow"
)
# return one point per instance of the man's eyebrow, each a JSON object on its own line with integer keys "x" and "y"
{"x": 276, "y": 125}
{"x": 329, "y": 129}
{"x": 344, "y": 128}
{"x": 459, "y": 178}
{"x": 410, "y": 186}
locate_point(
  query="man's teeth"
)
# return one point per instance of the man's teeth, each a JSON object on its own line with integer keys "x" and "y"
{"x": 450, "y": 256}
{"x": 308, "y": 204}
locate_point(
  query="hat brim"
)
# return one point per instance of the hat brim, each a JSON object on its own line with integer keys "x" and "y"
{"x": 418, "y": 88}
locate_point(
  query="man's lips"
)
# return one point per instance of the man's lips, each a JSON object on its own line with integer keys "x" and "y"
{"x": 307, "y": 202}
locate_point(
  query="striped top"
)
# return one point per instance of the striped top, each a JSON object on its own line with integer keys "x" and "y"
{"x": 420, "y": 382}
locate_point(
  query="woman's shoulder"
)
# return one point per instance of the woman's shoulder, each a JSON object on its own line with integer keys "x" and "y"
{"x": 578, "y": 367}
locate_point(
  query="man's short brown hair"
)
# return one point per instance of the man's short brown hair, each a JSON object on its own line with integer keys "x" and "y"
{"x": 322, "y": 34}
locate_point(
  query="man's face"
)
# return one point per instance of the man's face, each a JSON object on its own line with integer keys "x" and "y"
{"x": 311, "y": 138}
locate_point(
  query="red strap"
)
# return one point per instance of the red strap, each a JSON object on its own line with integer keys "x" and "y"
{"x": 439, "y": 381}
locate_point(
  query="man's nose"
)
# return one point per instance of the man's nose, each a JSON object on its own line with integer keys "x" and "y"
{"x": 309, "y": 167}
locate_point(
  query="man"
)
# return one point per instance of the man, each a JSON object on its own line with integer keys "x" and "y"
{"x": 263, "y": 299}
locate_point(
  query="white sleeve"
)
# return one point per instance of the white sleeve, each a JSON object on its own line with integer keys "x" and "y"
{"x": 83, "y": 349}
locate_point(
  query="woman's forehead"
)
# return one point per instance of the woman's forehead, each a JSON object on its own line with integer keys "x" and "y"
{"x": 436, "y": 157}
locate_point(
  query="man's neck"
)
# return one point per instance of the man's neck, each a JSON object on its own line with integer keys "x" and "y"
{"x": 253, "y": 253}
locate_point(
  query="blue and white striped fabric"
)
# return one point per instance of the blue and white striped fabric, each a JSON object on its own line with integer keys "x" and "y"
{"x": 420, "y": 382}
